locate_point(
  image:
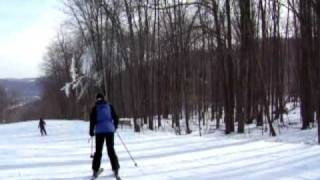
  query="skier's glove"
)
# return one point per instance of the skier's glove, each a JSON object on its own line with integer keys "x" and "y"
{"x": 91, "y": 134}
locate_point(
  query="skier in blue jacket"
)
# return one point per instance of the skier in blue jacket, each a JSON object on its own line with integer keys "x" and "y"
{"x": 103, "y": 124}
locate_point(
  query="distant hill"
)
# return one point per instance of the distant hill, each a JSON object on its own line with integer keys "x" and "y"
{"x": 28, "y": 89}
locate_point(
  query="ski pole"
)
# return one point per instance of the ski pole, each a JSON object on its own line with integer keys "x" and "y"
{"x": 91, "y": 153}
{"x": 124, "y": 145}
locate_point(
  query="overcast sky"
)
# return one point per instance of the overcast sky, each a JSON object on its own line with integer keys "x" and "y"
{"x": 26, "y": 28}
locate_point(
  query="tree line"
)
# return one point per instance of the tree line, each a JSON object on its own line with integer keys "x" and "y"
{"x": 8, "y": 101}
{"x": 234, "y": 62}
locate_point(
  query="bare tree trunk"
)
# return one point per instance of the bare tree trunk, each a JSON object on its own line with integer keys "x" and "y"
{"x": 305, "y": 61}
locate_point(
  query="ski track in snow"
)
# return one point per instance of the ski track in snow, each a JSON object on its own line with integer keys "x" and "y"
{"x": 65, "y": 154}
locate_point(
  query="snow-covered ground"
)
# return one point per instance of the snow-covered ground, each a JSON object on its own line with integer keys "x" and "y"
{"x": 65, "y": 154}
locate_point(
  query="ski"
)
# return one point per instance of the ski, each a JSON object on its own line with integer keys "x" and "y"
{"x": 97, "y": 175}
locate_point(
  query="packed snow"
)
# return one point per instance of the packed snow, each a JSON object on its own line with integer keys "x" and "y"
{"x": 65, "y": 154}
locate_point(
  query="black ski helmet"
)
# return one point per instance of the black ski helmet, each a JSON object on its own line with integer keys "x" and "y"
{"x": 100, "y": 96}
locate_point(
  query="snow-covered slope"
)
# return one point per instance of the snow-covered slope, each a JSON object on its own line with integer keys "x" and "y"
{"x": 65, "y": 154}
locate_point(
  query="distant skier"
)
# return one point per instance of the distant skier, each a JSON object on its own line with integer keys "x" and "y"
{"x": 103, "y": 124}
{"x": 42, "y": 125}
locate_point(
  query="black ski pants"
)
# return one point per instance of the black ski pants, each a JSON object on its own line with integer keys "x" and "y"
{"x": 109, "y": 138}
{"x": 43, "y": 131}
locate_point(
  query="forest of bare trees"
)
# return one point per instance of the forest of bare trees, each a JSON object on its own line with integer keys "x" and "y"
{"x": 234, "y": 62}
{"x": 3, "y": 101}
{"x": 8, "y": 100}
